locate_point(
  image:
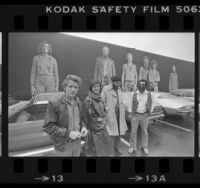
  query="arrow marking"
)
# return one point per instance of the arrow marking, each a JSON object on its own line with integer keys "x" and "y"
{"x": 43, "y": 178}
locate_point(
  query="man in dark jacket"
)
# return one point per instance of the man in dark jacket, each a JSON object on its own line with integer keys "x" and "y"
{"x": 63, "y": 119}
{"x": 141, "y": 109}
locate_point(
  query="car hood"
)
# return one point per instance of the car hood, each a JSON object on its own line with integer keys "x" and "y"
{"x": 174, "y": 103}
{"x": 16, "y": 107}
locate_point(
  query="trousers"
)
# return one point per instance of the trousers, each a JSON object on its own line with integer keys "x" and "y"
{"x": 143, "y": 121}
{"x": 44, "y": 84}
{"x": 72, "y": 149}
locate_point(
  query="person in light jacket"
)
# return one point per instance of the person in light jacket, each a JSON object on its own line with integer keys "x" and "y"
{"x": 116, "y": 125}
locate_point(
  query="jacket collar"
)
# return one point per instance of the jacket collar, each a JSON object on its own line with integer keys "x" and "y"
{"x": 112, "y": 90}
{"x": 144, "y": 91}
{"x": 63, "y": 99}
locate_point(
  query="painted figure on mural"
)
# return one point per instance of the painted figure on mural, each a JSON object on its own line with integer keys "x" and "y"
{"x": 44, "y": 73}
{"x": 173, "y": 79}
{"x": 129, "y": 74}
{"x": 144, "y": 70}
{"x": 154, "y": 76}
{"x": 104, "y": 68}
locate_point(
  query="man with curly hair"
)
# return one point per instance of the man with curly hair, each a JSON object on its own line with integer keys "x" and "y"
{"x": 64, "y": 119}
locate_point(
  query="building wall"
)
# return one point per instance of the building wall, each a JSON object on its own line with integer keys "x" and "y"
{"x": 78, "y": 56}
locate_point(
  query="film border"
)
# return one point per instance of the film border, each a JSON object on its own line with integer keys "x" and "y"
{"x": 91, "y": 168}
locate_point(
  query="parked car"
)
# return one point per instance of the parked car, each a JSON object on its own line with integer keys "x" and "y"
{"x": 26, "y": 126}
{"x": 188, "y": 94}
{"x": 15, "y": 105}
{"x": 173, "y": 105}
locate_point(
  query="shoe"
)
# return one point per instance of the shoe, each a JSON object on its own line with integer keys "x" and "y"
{"x": 132, "y": 150}
{"x": 117, "y": 152}
{"x": 146, "y": 151}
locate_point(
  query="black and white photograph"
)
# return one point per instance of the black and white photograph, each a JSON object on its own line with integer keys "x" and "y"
{"x": 101, "y": 94}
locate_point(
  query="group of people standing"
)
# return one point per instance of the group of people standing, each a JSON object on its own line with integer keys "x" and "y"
{"x": 100, "y": 119}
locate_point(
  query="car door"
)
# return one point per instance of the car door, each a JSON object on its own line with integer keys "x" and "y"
{"x": 26, "y": 129}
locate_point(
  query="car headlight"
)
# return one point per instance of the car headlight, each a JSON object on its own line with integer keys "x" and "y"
{"x": 158, "y": 109}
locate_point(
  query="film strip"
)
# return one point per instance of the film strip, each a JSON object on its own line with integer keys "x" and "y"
{"x": 22, "y": 25}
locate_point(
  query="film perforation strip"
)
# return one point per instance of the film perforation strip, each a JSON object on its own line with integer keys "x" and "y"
{"x": 43, "y": 22}
{"x": 188, "y": 166}
{"x": 115, "y": 23}
{"x": 136, "y": 166}
{"x": 66, "y": 166}
{"x": 91, "y": 166}
{"x": 67, "y": 22}
{"x": 19, "y": 22}
{"x": 188, "y": 22}
{"x": 164, "y": 23}
{"x": 115, "y": 166}
{"x": 42, "y": 166}
{"x": 91, "y": 22}
{"x": 139, "y": 166}
{"x": 139, "y": 22}
{"x": 163, "y": 166}
{"x": 18, "y": 166}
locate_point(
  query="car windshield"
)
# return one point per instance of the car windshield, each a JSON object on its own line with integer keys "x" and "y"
{"x": 167, "y": 96}
{"x": 176, "y": 93}
{"x": 47, "y": 96}
{"x": 12, "y": 101}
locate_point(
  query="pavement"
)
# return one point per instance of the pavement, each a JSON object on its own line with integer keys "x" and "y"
{"x": 165, "y": 140}
{"x": 171, "y": 137}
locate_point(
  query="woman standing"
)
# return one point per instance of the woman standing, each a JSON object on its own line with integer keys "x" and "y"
{"x": 173, "y": 79}
{"x": 95, "y": 117}
{"x": 44, "y": 73}
{"x": 129, "y": 74}
{"x": 154, "y": 76}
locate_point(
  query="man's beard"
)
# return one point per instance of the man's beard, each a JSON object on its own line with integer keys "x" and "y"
{"x": 141, "y": 89}
{"x": 115, "y": 87}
